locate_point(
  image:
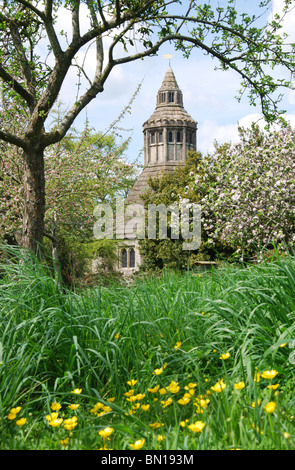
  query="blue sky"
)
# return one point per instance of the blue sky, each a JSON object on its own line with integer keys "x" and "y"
{"x": 209, "y": 95}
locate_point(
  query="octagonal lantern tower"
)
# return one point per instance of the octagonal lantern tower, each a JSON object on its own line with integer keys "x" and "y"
{"x": 168, "y": 135}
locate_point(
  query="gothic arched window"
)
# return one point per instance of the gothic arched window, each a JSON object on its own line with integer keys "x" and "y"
{"x": 132, "y": 258}
{"x": 170, "y": 136}
{"x": 124, "y": 259}
{"x": 178, "y": 136}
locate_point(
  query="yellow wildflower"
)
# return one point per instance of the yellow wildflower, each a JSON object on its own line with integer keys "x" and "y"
{"x": 256, "y": 376}
{"x": 270, "y": 407}
{"x": 131, "y": 382}
{"x": 283, "y": 345}
{"x": 21, "y": 421}
{"x": 197, "y": 426}
{"x": 106, "y": 432}
{"x": 167, "y": 402}
{"x": 183, "y": 423}
{"x": 158, "y": 371}
{"x": 130, "y": 393}
{"x": 155, "y": 425}
{"x": 155, "y": 389}
{"x": 138, "y": 444}
{"x": 239, "y": 385}
{"x": 73, "y": 406}
{"x": 160, "y": 438}
{"x": 225, "y": 356}
{"x": 257, "y": 429}
{"x": 219, "y": 386}
{"x": 184, "y": 400}
{"x": 55, "y": 406}
{"x": 258, "y": 402}
{"x": 52, "y": 416}
{"x": 269, "y": 374}
{"x": 11, "y": 416}
{"x": 54, "y": 420}
{"x": 173, "y": 387}
{"x": 64, "y": 442}
{"x": 162, "y": 391}
{"x": 286, "y": 435}
{"x": 145, "y": 407}
{"x": 70, "y": 423}
{"x": 77, "y": 391}
{"x": 177, "y": 345}
{"x": 16, "y": 410}
{"x": 273, "y": 387}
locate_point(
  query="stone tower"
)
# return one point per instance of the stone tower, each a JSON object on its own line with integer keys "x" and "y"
{"x": 168, "y": 135}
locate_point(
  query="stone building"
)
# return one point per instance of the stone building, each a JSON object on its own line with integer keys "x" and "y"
{"x": 168, "y": 135}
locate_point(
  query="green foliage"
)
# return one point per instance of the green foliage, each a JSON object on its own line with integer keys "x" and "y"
{"x": 174, "y": 188}
{"x": 168, "y": 332}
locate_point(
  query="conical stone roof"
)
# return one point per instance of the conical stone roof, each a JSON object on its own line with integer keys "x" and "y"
{"x": 169, "y": 110}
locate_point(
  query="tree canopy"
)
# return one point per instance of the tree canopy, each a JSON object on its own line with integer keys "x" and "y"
{"x": 37, "y": 56}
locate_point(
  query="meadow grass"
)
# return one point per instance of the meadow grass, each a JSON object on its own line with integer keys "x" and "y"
{"x": 179, "y": 361}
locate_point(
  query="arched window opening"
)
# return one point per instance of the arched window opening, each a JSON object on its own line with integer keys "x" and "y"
{"x": 132, "y": 258}
{"x": 170, "y": 96}
{"x": 178, "y": 136}
{"x": 170, "y": 137}
{"x": 124, "y": 259}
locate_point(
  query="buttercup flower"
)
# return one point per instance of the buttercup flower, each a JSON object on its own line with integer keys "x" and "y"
{"x": 184, "y": 400}
{"x": 106, "y": 432}
{"x": 197, "y": 426}
{"x": 177, "y": 345}
{"x": 77, "y": 391}
{"x": 256, "y": 376}
{"x": 21, "y": 421}
{"x": 64, "y": 442}
{"x": 158, "y": 371}
{"x": 73, "y": 406}
{"x": 155, "y": 389}
{"x": 54, "y": 420}
{"x": 155, "y": 425}
{"x": 145, "y": 407}
{"x": 239, "y": 385}
{"x": 16, "y": 410}
{"x": 219, "y": 386}
{"x": 225, "y": 356}
{"x": 132, "y": 382}
{"x": 258, "y": 402}
{"x": 55, "y": 406}
{"x": 167, "y": 402}
{"x": 273, "y": 387}
{"x": 173, "y": 387}
{"x": 13, "y": 412}
{"x": 269, "y": 374}
{"x": 138, "y": 444}
{"x": 270, "y": 407}
{"x": 70, "y": 423}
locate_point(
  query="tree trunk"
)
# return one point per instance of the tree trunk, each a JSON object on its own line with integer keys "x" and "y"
{"x": 34, "y": 200}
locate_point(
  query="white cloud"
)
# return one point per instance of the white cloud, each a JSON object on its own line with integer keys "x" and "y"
{"x": 288, "y": 21}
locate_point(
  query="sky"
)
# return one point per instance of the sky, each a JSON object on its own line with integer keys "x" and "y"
{"x": 209, "y": 95}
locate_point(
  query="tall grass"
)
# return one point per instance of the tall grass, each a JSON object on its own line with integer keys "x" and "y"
{"x": 53, "y": 341}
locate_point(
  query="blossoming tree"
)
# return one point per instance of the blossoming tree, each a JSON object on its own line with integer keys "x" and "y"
{"x": 250, "y": 205}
